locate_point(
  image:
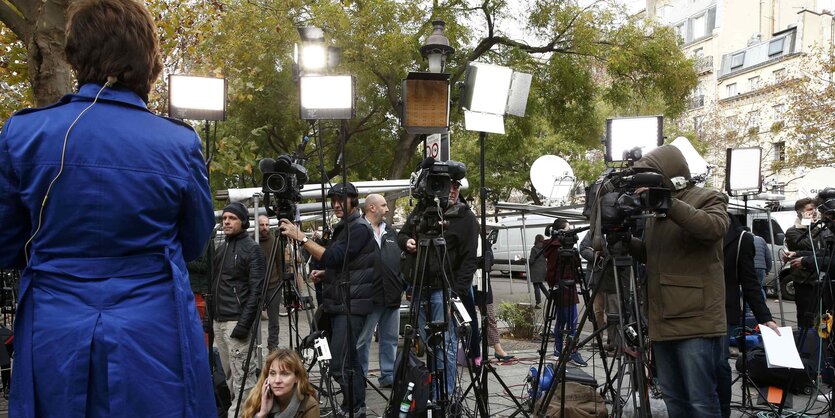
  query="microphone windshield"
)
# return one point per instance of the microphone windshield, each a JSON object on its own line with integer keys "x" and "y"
{"x": 266, "y": 165}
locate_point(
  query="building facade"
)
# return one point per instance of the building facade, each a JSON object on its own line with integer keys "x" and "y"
{"x": 747, "y": 55}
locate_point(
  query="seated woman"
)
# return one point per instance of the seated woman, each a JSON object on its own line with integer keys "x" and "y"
{"x": 283, "y": 390}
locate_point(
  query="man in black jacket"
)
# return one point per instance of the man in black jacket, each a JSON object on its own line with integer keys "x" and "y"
{"x": 738, "y": 247}
{"x": 239, "y": 278}
{"x": 388, "y": 292}
{"x": 461, "y": 234}
{"x": 348, "y": 287}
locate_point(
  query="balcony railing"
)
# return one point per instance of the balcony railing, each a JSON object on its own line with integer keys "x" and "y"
{"x": 695, "y": 102}
{"x": 704, "y": 64}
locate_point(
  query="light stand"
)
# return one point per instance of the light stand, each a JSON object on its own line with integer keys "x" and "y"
{"x": 200, "y": 98}
{"x": 742, "y": 179}
{"x": 489, "y": 92}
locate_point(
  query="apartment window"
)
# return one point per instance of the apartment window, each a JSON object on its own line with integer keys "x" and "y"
{"x": 680, "y": 32}
{"x": 737, "y": 60}
{"x": 779, "y": 111}
{"x": 754, "y": 120}
{"x": 697, "y": 123}
{"x": 730, "y": 89}
{"x": 699, "y": 26}
{"x": 754, "y": 83}
{"x": 775, "y": 47}
{"x": 780, "y": 151}
{"x": 699, "y": 52}
{"x": 779, "y": 74}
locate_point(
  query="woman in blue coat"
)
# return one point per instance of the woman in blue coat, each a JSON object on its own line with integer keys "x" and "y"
{"x": 101, "y": 204}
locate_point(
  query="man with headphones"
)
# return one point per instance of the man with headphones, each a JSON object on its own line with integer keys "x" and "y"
{"x": 236, "y": 289}
{"x": 348, "y": 290}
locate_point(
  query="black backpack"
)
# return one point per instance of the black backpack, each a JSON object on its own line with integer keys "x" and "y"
{"x": 414, "y": 371}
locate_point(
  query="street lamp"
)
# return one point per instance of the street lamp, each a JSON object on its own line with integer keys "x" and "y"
{"x": 425, "y": 96}
{"x": 436, "y": 49}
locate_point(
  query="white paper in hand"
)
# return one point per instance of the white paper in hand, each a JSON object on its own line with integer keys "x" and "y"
{"x": 780, "y": 351}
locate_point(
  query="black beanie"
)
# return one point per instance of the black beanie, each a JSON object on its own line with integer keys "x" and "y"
{"x": 238, "y": 209}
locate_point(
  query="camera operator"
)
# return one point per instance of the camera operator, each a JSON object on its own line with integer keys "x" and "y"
{"x": 266, "y": 240}
{"x": 686, "y": 287}
{"x": 566, "y": 323}
{"x": 349, "y": 267}
{"x": 806, "y": 234}
{"x": 461, "y": 234}
{"x": 239, "y": 276}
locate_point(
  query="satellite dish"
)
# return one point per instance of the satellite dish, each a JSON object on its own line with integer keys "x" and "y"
{"x": 698, "y": 165}
{"x": 552, "y": 177}
{"x": 814, "y": 181}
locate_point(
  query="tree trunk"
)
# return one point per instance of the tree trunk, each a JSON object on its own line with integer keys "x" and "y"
{"x": 49, "y": 72}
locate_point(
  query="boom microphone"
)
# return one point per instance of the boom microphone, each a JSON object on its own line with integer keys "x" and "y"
{"x": 266, "y": 165}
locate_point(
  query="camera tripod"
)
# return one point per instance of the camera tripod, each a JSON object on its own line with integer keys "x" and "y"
{"x": 569, "y": 273}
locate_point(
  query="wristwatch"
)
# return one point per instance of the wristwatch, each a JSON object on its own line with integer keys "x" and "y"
{"x": 304, "y": 240}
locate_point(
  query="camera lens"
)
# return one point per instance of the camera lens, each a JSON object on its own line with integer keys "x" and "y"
{"x": 276, "y": 183}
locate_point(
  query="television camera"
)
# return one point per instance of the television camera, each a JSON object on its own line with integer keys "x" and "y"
{"x": 283, "y": 178}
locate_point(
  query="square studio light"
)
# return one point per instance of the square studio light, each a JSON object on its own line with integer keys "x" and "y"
{"x": 491, "y": 91}
{"x": 425, "y": 103}
{"x": 326, "y": 97}
{"x": 742, "y": 172}
{"x": 624, "y": 134}
{"x": 196, "y": 98}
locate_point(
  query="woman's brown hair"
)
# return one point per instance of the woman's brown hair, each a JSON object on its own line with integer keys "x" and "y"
{"x": 113, "y": 38}
{"x": 287, "y": 360}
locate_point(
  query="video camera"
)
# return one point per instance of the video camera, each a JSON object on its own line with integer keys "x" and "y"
{"x": 433, "y": 179}
{"x": 567, "y": 237}
{"x": 283, "y": 178}
{"x": 620, "y": 205}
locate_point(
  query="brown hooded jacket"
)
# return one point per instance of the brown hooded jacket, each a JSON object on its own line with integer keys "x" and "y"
{"x": 683, "y": 256}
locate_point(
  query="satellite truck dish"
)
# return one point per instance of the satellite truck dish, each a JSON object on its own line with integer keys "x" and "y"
{"x": 697, "y": 164}
{"x": 552, "y": 177}
{"x": 816, "y": 180}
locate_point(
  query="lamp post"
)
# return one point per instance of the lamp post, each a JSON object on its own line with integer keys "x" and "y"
{"x": 430, "y": 91}
{"x": 436, "y": 48}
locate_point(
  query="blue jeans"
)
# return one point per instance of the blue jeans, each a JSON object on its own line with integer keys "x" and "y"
{"x": 566, "y": 322}
{"x": 688, "y": 372}
{"x": 450, "y": 336}
{"x": 387, "y": 320}
{"x": 340, "y": 346}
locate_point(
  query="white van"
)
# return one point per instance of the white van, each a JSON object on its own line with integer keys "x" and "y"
{"x": 512, "y": 239}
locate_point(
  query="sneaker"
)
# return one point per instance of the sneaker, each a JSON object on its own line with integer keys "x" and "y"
{"x": 555, "y": 358}
{"x": 733, "y": 352}
{"x": 577, "y": 360}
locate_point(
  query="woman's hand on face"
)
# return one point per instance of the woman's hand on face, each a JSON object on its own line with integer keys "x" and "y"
{"x": 266, "y": 399}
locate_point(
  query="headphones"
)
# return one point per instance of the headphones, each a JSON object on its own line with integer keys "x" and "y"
{"x": 111, "y": 80}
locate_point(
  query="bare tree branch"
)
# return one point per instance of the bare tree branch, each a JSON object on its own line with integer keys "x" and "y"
{"x": 14, "y": 19}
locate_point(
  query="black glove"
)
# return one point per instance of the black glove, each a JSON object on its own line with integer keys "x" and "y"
{"x": 240, "y": 332}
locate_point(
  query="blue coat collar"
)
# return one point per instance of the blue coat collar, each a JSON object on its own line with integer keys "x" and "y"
{"x": 112, "y": 94}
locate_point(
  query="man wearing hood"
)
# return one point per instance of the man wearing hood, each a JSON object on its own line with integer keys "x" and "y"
{"x": 686, "y": 287}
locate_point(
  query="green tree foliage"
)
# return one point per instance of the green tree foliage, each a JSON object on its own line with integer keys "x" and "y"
{"x": 810, "y": 120}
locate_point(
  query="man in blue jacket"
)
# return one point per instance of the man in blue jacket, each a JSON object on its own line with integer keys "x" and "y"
{"x": 101, "y": 205}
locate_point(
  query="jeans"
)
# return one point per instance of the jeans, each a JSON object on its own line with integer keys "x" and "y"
{"x": 436, "y": 302}
{"x": 539, "y": 287}
{"x": 387, "y": 320}
{"x": 350, "y": 368}
{"x": 273, "y": 317}
{"x": 689, "y": 372}
{"x": 474, "y": 349}
{"x": 566, "y": 322}
{"x": 723, "y": 379}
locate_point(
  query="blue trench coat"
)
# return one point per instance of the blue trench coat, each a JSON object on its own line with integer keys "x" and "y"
{"x": 106, "y": 322}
